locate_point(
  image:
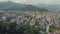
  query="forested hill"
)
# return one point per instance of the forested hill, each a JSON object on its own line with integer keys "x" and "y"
{"x": 8, "y": 5}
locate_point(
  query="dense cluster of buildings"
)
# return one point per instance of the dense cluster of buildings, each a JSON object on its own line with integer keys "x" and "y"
{"x": 38, "y": 19}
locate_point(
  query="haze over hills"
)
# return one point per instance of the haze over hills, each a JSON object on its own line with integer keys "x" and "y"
{"x": 11, "y": 5}
{"x": 49, "y": 6}
{"x": 8, "y": 5}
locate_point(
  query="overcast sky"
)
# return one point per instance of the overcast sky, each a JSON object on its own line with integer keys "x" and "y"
{"x": 35, "y": 1}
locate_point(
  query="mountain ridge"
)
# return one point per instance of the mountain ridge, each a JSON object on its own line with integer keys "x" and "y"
{"x": 8, "y": 5}
{"x": 50, "y": 7}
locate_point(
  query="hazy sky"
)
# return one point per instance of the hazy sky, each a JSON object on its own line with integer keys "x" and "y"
{"x": 35, "y": 1}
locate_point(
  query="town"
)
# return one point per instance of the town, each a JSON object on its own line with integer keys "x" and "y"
{"x": 30, "y": 22}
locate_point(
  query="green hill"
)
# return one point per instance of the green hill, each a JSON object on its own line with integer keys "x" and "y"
{"x": 8, "y": 5}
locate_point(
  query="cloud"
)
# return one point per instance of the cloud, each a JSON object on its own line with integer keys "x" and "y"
{"x": 27, "y": 1}
{"x": 35, "y": 1}
{"x": 2, "y": 0}
{"x": 51, "y": 2}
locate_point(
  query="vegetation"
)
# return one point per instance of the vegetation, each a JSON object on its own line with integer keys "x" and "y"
{"x": 8, "y": 5}
{"x": 11, "y": 27}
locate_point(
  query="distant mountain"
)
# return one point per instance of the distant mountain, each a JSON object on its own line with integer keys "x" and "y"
{"x": 33, "y": 8}
{"x": 50, "y": 7}
{"x": 8, "y": 5}
{"x": 54, "y": 7}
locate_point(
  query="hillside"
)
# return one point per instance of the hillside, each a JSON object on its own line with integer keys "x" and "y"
{"x": 49, "y": 7}
{"x": 8, "y": 5}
